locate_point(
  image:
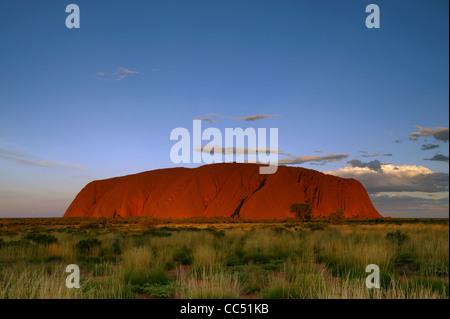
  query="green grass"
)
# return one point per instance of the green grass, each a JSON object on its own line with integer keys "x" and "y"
{"x": 281, "y": 260}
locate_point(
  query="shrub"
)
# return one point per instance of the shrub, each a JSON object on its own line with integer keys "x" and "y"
{"x": 216, "y": 232}
{"x": 439, "y": 270}
{"x": 159, "y": 290}
{"x": 169, "y": 265}
{"x": 89, "y": 224}
{"x": 89, "y": 260}
{"x": 337, "y": 217}
{"x": 258, "y": 258}
{"x": 22, "y": 243}
{"x": 157, "y": 233}
{"x": 150, "y": 223}
{"x": 317, "y": 226}
{"x": 42, "y": 239}
{"x": 49, "y": 259}
{"x": 116, "y": 246}
{"x": 183, "y": 255}
{"x": 103, "y": 222}
{"x": 278, "y": 229}
{"x": 139, "y": 279}
{"x": 86, "y": 245}
{"x": 302, "y": 211}
{"x": 397, "y": 237}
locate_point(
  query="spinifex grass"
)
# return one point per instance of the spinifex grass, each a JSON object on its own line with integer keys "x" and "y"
{"x": 119, "y": 259}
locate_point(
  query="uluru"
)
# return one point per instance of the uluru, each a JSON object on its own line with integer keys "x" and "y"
{"x": 222, "y": 190}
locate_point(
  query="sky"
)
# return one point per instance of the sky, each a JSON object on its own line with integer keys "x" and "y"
{"x": 100, "y": 101}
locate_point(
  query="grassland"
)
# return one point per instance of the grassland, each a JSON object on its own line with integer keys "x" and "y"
{"x": 223, "y": 258}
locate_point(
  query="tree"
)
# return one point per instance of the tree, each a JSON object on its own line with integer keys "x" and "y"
{"x": 303, "y": 211}
{"x": 337, "y": 217}
{"x": 103, "y": 221}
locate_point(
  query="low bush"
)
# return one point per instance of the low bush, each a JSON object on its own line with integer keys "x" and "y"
{"x": 86, "y": 245}
{"x": 397, "y": 237}
{"x": 337, "y": 217}
{"x": 42, "y": 239}
{"x": 89, "y": 224}
{"x": 150, "y": 223}
{"x": 164, "y": 291}
{"x": 157, "y": 233}
{"x": 316, "y": 226}
{"x": 141, "y": 278}
{"x": 183, "y": 255}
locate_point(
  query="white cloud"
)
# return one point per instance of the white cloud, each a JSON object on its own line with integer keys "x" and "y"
{"x": 126, "y": 71}
{"x": 396, "y": 178}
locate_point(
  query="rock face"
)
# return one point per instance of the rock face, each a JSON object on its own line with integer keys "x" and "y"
{"x": 221, "y": 190}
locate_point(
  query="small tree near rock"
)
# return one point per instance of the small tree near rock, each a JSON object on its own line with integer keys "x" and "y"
{"x": 337, "y": 217}
{"x": 303, "y": 211}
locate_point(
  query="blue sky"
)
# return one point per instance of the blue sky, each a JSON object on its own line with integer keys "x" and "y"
{"x": 100, "y": 101}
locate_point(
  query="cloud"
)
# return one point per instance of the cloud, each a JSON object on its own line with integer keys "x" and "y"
{"x": 426, "y": 147}
{"x": 291, "y": 160}
{"x": 243, "y": 118}
{"x": 439, "y": 133}
{"x": 312, "y": 158}
{"x": 204, "y": 119}
{"x": 375, "y": 155}
{"x": 118, "y": 75}
{"x": 438, "y": 158}
{"x": 126, "y": 71}
{"x": 234, "y": 150}
{"x": 397, "y": 141}
{"x": 396, "y": 178}
{"x": 31, "y": 160}
{"x": 373, "y": 165}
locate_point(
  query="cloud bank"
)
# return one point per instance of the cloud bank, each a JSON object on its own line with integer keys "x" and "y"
{"x": 401, "y": 206}
{"x": 395, "y": 178}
